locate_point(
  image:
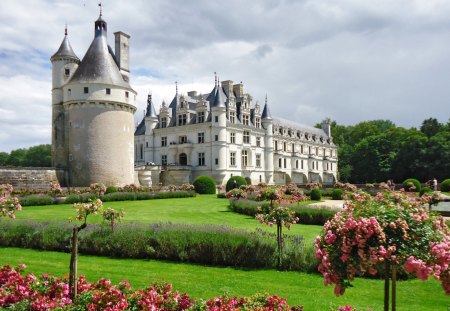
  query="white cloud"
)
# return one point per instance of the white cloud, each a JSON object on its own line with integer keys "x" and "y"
{"x": 351, "y": 60}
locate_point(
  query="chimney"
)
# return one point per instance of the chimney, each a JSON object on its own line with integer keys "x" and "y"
{"x": 228, "y": 87}
{"x": 238, "y": 89}
{"x": 326, "y": 127}
{"x": 122, "y": 52}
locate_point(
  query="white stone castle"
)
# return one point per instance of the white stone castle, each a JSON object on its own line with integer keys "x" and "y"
{"x": 220, "y": 134}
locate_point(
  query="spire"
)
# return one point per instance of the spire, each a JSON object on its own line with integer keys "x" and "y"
{"x": 150, "y": 107}
{"x": 100, "y": 24}
{"x": 65, "y": 49}
{"x": 266, "y": 112}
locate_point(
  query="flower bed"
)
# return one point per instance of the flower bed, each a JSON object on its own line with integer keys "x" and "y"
{"x": 28, "y": 292}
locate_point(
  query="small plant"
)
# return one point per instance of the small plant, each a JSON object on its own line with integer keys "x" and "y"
{"x": 187, "y": 187}
{"x": 411, "y": 185}
{"x": 236, "y": 194}
{"x": 445, "y": 185}
{"x": 55, "y": 189}
{"x": 111, "y": 189}
{"x": 205, "y": 185}
{"x": 316, "y": 194}
{"x": 8, "y": 204}
{"x": 235, "y": 182}
{"x": 112, "y": 216}
{"x": 337, "y": 194}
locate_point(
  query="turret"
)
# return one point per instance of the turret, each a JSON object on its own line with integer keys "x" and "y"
{"x": 219, "y": 132}
{"x": 151, "y": 119}
{"x": 64, "y": 64}
{"x": 267, "y": 123}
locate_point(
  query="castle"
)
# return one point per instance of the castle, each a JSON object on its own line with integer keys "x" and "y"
{"x": 220, "y": 134}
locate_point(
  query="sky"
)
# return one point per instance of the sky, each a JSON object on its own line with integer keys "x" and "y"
{"x": 347, "y": 60}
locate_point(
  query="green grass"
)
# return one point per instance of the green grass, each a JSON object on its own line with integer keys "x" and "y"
{"x": 203, "y": 209}
{"x": 205, "y": 282}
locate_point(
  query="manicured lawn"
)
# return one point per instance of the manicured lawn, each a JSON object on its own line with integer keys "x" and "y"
{"x": 203, "y": 209}
{"x": 205, "y": 282}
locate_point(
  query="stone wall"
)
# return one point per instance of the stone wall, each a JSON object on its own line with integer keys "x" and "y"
{"x": 36, "y": 178}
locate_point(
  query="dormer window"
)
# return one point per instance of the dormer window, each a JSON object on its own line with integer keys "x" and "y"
{"x": 201, "y": 117}
{"x": 246, "y": 119}
{"x": 182, "y": 119}
{"x": 232, "y": 117}
{"x": 257, "y": 123}
{"x": 163, "y": 122}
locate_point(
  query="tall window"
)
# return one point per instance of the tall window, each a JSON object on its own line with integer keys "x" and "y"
{"x": 201, "y": 117}
{"x": 246, "y": 119}
{"x": 232, "y": 117}
{"x": 258, "y": 141}
{"x": 296, "y": 164}
{"x": 301, "y": 148}
{"x": 244, "y": 158}
{"x": 317, "y": 151}
{"x": 182, "y": 119}
{"x": 201, "y": 159}
{"x": 232, "y": 138}
{"x": 284, "y": 146}
{"x": 284, "y": 163}
{"x": 233, "y": 158}
{"x": 257, "y": 123}
{"x": 276, "y": 145}
{"x": 182, "y": 139}
{"x": 163, "y": 141}
{"x": 201, "y": 138}
{"x": 258, "y": 160}
{"x": 164, "y": 159}
{"x": 163, "y": 122}
{"x": 246, "y": 137}
{"x": 293, "y": 148}
{"x": 141, "y": 151}
{"x": 301, "y": 164}
{"x": 280, "y": 163}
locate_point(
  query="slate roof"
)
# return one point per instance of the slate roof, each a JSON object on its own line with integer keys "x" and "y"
{"x": 297, "y": 126}
{"x": 65, "y": 50}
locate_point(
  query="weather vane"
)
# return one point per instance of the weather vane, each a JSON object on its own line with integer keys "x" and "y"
{"x": 100, "y": 6}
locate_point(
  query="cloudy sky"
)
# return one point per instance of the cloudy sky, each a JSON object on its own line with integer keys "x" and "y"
{"x": 349, "y": 60}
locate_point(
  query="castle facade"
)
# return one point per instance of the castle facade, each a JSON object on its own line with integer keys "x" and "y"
{"x": 224, "y": 134}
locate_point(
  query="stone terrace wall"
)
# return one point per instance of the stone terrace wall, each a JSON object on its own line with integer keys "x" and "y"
{"x": 35, "y": 178}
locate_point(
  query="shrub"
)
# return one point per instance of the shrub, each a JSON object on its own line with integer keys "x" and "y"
{"x": 205, "y": 185}
{"x": 425, "y": 190}
{"x": 337, "y": 194}
{"x": 35, "y": 200}
{"x": 248, "y": 180}
{"x": 246, "y": 207}
{"x": 221, "y": 195}
{"x": 240, "y": 181}
{"x": 80, "y": 198}
{"x": 412, "y": 185}
{"x": 202, "y": 244}
{"x": 316, "y": 194}
{"x": 313, "y": 216}
{"x": 111, "y": 189}
{"x": 445, "y": 185}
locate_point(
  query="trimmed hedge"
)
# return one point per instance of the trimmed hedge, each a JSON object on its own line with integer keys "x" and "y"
{"x": 445, "y": 185}
{"x": 129, "y": 196}
{"x": 425, "y": 190}
{"x": 337, "y": 194}
{"x": 240, "y": 181}
{"x": 416, "y": 183}
{"x": 202, "y": 244}
{"x": 307, "y": 215}
{"x": 35, "y": 200}
{"x": 205, "y": 185}
{"x": 316, "y": 194}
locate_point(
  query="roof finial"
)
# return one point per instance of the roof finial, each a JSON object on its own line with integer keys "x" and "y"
{"x": 266, "y": 99}
{"x": 65, "y": 30}
{"x": 100, "y": 5}
{"x": 176, "y": 87}
{"x": 215, "y": 78}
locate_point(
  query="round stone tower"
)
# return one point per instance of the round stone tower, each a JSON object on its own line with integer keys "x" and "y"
{"x": 99, "y": 105}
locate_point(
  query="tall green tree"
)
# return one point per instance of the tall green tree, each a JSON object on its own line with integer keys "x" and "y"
{"x": 431, "y": 127}
{"x": 39, "y": 156}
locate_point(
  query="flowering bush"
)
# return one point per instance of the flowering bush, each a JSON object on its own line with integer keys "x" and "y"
{"x": 236, "y": 194}
{"x": 382, "y": 232}
{"x": 113, "y": 216}
{"x": 8, "y": 204}
{"x": 55, "y": 188}
{"x": 48, "y": 293}
{"x": 98, "y": 189}
{"x": 83, "y": 210}
{"x": 188, "y": 187}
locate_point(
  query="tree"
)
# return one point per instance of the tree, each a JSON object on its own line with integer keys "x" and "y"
{"x": 382, "y": 234}
{"x": 276, "y": 215}
{"x": 431, "y": 127}
{"x": 17, "y": 158}
{"x": 39, "y": 156}
{"x": 3, "y": 158}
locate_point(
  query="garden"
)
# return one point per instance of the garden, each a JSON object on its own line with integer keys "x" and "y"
{"x": 244, "y": 251}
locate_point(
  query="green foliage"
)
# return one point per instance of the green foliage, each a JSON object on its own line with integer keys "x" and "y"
{"x": 111, "y": 189}
{"x": 337, "y": 194}
{"x": 36, "y": 156}
{"x": 35, "y": 200}
{"x": 445, "y": 185}
{"x": 313, "y": 216}
{"x": 240, "y": 181}
{"x": 407, "y": 185}
{"x": 425, "y": 190}
{"x": 246, "y": 207}
{"x": 205, "y": 185}
{"x": 203, "y": 244}
{"x": 316, "y": 194}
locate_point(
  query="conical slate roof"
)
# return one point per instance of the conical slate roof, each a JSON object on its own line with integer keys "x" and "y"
{"x": 98, "y": 64}
{"x": 217, "y": 97}
{"x": 150, "y": 108}
{"x": 266, "y": 112}
{"x": 65, "y": 50}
